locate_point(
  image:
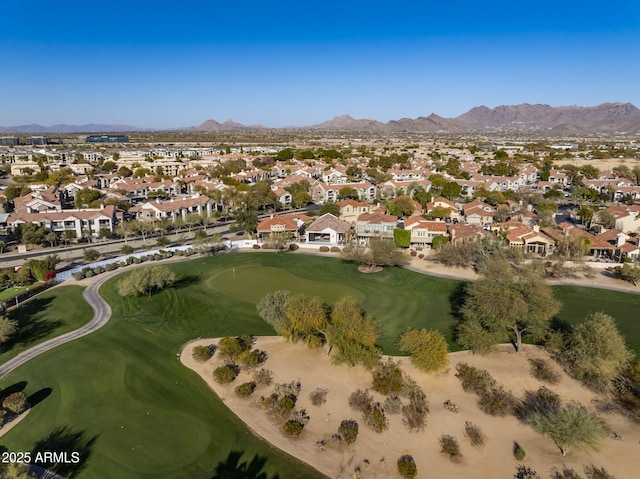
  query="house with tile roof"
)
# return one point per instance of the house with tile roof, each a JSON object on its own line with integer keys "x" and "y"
{"x": 375, "y": 225}
{"x": 327, "y": 229}
{"x": 423, "y": 231}
{"x": 351, "y": 209}
{"x": 289, "y": 225}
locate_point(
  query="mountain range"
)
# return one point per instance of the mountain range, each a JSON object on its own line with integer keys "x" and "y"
{"x": 607, "y": 118}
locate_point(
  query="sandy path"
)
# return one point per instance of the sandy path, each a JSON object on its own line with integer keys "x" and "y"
{"x": 494, "y": 459}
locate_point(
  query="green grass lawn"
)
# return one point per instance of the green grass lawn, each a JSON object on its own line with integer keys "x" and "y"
{"x": 624, "y": 307}
{"x": 45, "y": 316}
{"x": 10, "y": 292}
{"x": 121, "y": 396}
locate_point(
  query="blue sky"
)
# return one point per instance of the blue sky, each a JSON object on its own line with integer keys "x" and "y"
{"x": 173, "y": 64}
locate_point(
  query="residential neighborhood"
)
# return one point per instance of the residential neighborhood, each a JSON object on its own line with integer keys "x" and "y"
{"x": 532, "y": 197}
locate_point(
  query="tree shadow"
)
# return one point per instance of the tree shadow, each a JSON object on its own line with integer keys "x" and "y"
{"x": 77, "y": 446}
{"x": 32, "y": 323}
{"x": 39, "y": 396}
{"x": 560, "y": 325}
{"x": 14, "y": 388}
{"x": 232, "y": 468}
{"x": 186, "y": 281}
{"x": 457, "y": 299}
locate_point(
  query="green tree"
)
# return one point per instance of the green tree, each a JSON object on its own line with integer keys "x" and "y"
{"x": 353, "y": 334}
{"x": 569, "y": 427}
{"x": 451, "y": 190}
{"x": 505, "y": 303}
{"x": 31, "y": 233}
{"x": 125, "y": 172}
{"x": 86, "y": 196}
{"x": 401, "y": 206}
{"x": 271, "y": 308}
{"x": 91, "y": 255}
{"x": 109, "y": 165}
{"x": 428, "y": 349}
{"x": 247, "y": 220}
{"x": 286, "y": 154}
{"x": 329, "y": 207}
{"x": 7, "y": 328}
{"x": 597, "y": 351}
{"x": 146, "y": 280}
{"x": 308, "y": 319}
{"x": 348, "y": 192}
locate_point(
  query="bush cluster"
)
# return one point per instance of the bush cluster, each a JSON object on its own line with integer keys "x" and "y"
{"x": 348, "y": 430}
{"x": 324, "y": 249}
{"x": 414, "y": 414}
{"x": 393, "y": 404}
{"x": 15, "y": 402}
{"x": 263, "y": 376}
{"x": 203, "y": 353}
{"x": 525, "y": 472}
{"x": 449, "y": 447}
{"x": 226, "y": 373}
{"x": 542, "y": 370}
{"x": 496, "y": 401}
{"x": 542, "y": 401}
{"x": 360, "y": 400}
{"x": 387, "y": 377}
{"x": 407, "y": 466}
{"x": 474, "y": 433}
{"x": 518, "y": 452}
{"x": 335, "y": 249}
{"x": 245, "y": 389}
{"x": 318, "y": 396}
{"x": 252, "y": 359}
{"x": 374, "y": 417}
{"x": 232, "y": 347}
{"x": 474, "y": 379}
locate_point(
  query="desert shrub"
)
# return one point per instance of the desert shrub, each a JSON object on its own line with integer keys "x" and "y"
{"x": 414, "y": 414}
{"x": 137, "y": 260}
{"x": 245, "y": 389}
{"x": 393, "y": 404}
{"x": 375, "y": 418}
{"x": 15, "y": 402}
{"x": 263, "y": 376}
{"x": 407, "y": 466}
{"x": 203, "y": 353}
{"x": 449, "y": 447}
{"x": 474, "y": 379}
{"x": 284, "y": 405}
{"x": 542, "y": 401}
{"x": 293, "y": 428}
{"x": 360, "y": 400}
{"x": 496, "y": 401}
{"x": 421, "y": 255}
{"x": 256, "y": 246}
{"x": 291, "y": 389}
{"x": 518, "y": 451}
{"x": 78, "y": 275}
{"x": 318, "y": 396}
{"x": 226, "y": 373}
{"x": 98, "y": 270}
{"x": 252, "y": 359}
{"x": 525, "y": 472}
{"x": 542, "y": 370}
{"x": 89, "y": 274}
{"x": 110, "y": 267}
{"x": 324, "y": 249}
{"x": 335, "y": 249}
{"x": 293, "y": 247}
{"x": 387, "y": 377}
{"x": 336, "y": 439}
{"x": 413, "y": 253}
{"x": 593, "y": 472}
{"x": 565, "y": 473}
{"x": 474, "y": 433}
{"x": 232, "y": 347}
{"x": 348, "y": 430}
{"x": 409, "y": 386}
{"x": 321, "y": 445}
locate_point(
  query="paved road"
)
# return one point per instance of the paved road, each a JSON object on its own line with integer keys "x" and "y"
{"x": 101, "y": 315}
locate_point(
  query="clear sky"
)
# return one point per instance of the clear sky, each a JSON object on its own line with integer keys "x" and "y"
{"x": 161, "y": 64}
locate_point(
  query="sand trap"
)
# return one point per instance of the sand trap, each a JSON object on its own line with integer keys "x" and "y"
{"x": 493, "y": 460}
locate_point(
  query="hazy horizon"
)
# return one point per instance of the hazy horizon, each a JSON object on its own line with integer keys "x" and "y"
{"x": 149, "y": 65}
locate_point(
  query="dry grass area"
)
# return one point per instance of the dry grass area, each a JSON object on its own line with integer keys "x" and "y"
{"x": 374, "y": 455}
{"x": 602, "y": 165}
